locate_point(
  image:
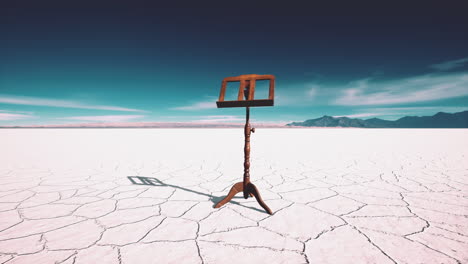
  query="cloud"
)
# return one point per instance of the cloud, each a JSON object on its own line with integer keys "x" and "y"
{"x": 298, "y": 94}
{"x": 219, "y": 118}
{"x": 11, "y": 116}
{"x": 312, "y": 91}
{"x": 397, "y": 112}
{"x": 23, "y": 100}
{"x": 358, "y": 115}
{"x": 197, "y": 106}
{"x": 105, "y": 118}
{"x": 422, "y": 88}
{"x": 18, "y": 112}
{"x": 449, "y": 65}
{"x": 417, "y": 109}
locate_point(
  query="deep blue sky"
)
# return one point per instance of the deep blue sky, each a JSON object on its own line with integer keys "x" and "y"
{"x": 143, "y": 61}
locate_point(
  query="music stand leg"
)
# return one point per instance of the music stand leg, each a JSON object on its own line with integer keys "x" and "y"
{"x": 245, "y": 186}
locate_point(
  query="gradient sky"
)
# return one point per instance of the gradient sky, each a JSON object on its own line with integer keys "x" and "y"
{"x": 143, "y": 61}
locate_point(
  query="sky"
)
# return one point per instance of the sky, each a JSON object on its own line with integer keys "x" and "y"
{"x": 69, "y": 62}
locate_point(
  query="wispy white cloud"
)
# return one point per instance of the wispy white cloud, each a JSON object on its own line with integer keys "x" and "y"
{"x": 422, "y": 88}
{"x": 36, "y": 101}
{"x": 197, "y": 106}
{"x": 449, "y": 65}
{"x": 218, "y": 118}
{"x": 11, "y": 116}
{"x": 104, "y": 118}
{"x": 17, "y": 112}
{"x": 397, "y": 112}
{"x": 298, "y": 94}
{"x": 312, "y": 91}
{"x": 417, "y": 109}
{"x": 360, "y": 115}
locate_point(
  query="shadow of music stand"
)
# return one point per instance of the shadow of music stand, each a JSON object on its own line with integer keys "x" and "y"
{"x": 246, "y": 99}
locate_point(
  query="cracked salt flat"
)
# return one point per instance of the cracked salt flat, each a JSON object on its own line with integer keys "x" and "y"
{"x": 147, "y": 196}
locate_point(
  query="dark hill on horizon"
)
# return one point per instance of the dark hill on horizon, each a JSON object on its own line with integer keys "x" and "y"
{"x": 439, "y": 120}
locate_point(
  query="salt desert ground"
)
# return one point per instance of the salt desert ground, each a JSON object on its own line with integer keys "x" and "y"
{"x": 147, "y": 196}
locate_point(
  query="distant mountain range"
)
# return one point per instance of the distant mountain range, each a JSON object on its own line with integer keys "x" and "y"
{"x": 439, "y": 120}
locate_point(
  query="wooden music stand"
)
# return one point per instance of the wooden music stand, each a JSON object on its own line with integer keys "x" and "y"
{"x": 246, "y": 99}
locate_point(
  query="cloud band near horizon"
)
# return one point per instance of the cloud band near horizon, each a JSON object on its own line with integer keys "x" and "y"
{"x": 36, "y": 101}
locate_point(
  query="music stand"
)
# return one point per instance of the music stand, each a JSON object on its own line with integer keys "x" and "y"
{"x": 246, "y": 99}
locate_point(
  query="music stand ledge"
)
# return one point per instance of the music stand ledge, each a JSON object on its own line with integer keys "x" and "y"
{"x": 246, "y": 99}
